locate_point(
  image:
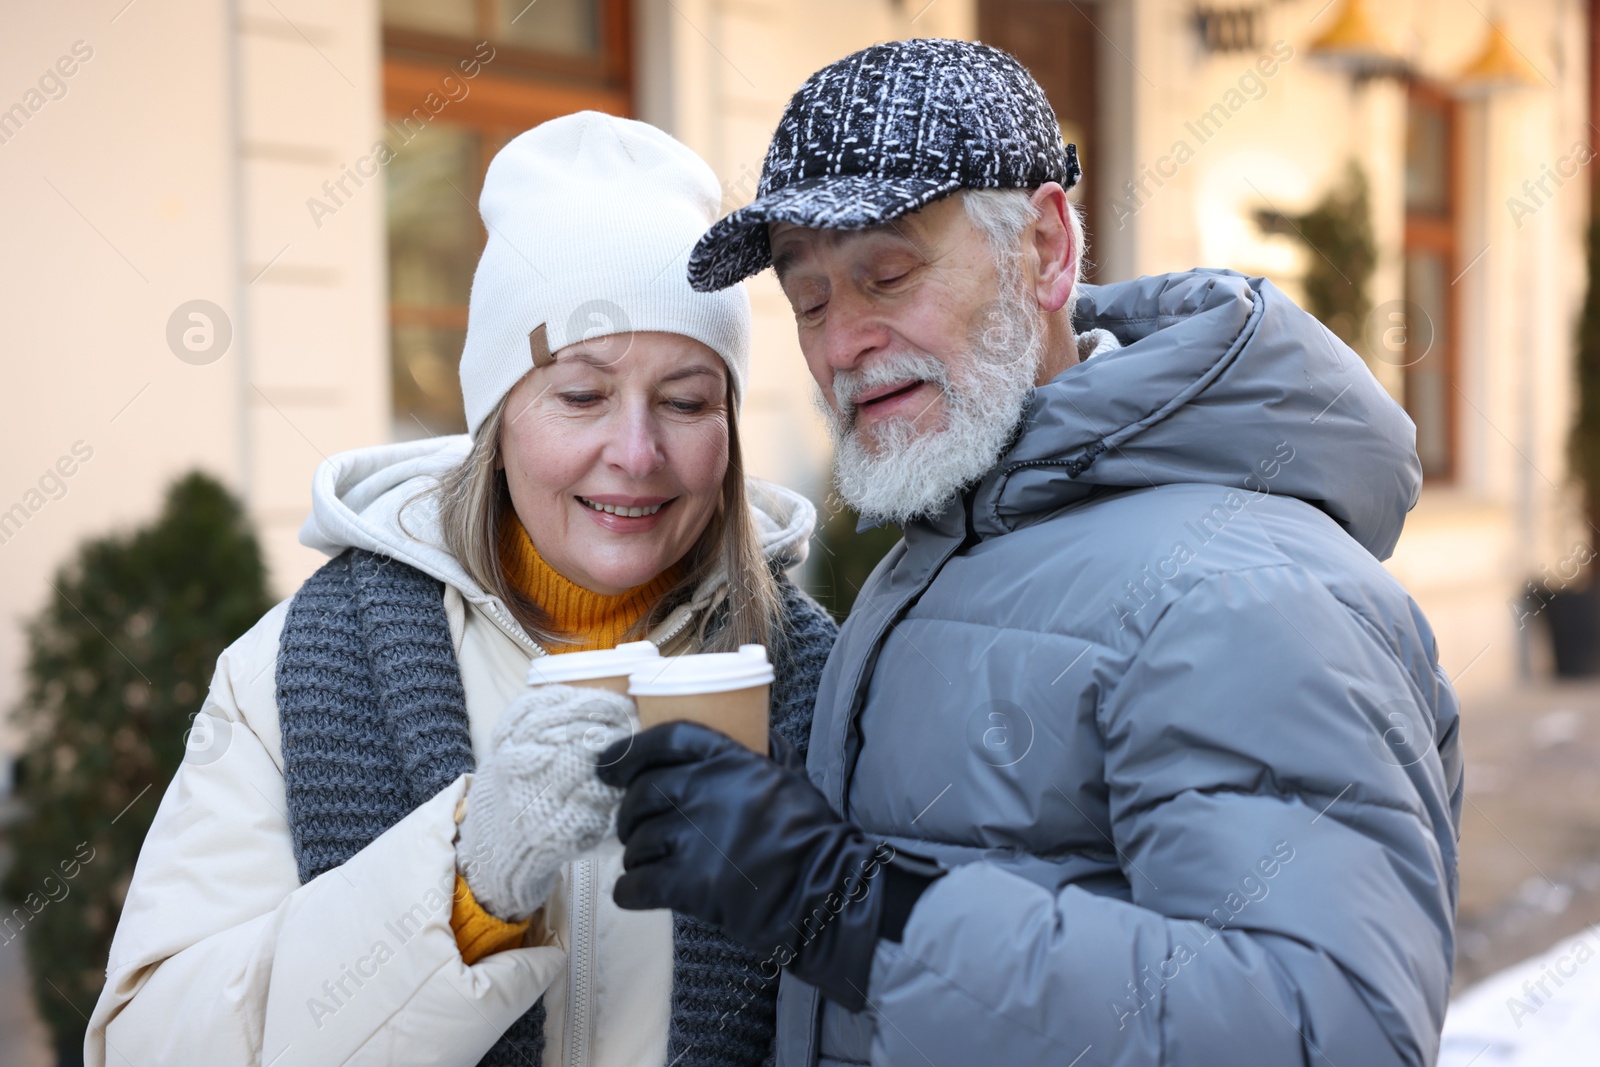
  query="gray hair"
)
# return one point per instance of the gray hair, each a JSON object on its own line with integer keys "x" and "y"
{"x": 1002, "y": 215}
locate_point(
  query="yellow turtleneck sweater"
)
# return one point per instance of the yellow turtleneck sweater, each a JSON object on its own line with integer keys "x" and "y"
{"x": 591, "y": 621}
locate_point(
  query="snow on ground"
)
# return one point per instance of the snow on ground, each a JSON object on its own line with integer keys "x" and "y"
{"x": 1543, "y": 1012}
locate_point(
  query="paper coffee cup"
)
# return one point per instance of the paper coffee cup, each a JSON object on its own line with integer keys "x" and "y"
{"x": 607, "y": 668}
{"x": 726, "y": 691}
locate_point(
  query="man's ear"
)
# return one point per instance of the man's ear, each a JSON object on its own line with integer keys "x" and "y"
{"x": 1054, "y": 246}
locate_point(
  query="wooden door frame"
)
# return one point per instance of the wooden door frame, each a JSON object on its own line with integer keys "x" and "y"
{"x": 1437, "y": 234}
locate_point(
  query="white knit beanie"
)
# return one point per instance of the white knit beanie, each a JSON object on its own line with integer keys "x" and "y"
{"x": 591, "y": 219}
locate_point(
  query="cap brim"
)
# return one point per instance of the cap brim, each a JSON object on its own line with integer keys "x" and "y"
{"x": 736, "y": 247}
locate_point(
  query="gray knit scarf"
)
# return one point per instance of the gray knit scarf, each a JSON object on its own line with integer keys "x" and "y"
{"x": 374, "y": 723}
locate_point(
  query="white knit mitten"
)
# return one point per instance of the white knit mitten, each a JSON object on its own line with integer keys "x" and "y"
{"x": 535, "y": 802}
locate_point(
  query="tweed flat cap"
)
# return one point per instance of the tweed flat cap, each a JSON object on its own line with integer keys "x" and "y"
{"x": 886, "y": 131}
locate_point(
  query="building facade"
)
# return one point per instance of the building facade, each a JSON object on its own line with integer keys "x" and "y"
{"x": 240, "y": 235}
{"x": 1211, "y": 116}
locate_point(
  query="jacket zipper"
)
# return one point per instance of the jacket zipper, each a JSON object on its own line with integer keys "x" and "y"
{"x": 581, "y": 900}
{"x": 514, "y": 630}
{"x": 580, "y": 962}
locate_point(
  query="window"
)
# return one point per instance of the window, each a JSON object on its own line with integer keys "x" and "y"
{"x": 1057, "y": 43}
{"x": 563, "y": 27}
{"x": 1430, "y": 271}
{"x": 460, "y": 79}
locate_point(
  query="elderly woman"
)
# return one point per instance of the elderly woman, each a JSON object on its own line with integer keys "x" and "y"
{"x": 328, "y": 881}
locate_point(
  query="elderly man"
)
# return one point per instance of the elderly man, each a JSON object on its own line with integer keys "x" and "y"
{"x": 1131, "y": 751}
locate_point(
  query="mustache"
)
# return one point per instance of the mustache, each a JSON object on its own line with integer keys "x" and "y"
{"x": 896, "y": 367}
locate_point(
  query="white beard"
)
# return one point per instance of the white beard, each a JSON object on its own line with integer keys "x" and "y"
{"x": 909, "y": 474}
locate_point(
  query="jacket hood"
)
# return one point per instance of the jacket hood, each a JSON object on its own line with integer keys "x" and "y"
{"x": 357, "y": 496}
{"x": 1220, "y": 379}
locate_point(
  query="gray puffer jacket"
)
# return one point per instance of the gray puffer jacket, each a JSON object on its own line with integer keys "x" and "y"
{"x": 1149, "y": 691}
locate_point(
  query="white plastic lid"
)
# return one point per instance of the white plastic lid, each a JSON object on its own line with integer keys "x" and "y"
{"x": 583, "y": 666}
{"x": 710, "y": 672}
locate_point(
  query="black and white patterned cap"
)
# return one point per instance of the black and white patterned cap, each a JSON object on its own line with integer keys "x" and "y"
{"x": 886, "y": 131}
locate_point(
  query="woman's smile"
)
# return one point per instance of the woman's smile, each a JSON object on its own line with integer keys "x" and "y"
{"x": 631, "y": 431}
{"x": 625, "y": 515}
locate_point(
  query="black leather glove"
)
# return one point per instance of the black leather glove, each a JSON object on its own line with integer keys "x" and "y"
{"x": 783, "y": 753}
{"x": 751, "y": 847}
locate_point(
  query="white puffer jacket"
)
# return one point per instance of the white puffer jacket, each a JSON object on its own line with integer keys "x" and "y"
{"x": 221, "y": 955}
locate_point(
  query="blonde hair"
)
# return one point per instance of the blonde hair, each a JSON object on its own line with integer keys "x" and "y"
{"x": 474, "y": 500}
